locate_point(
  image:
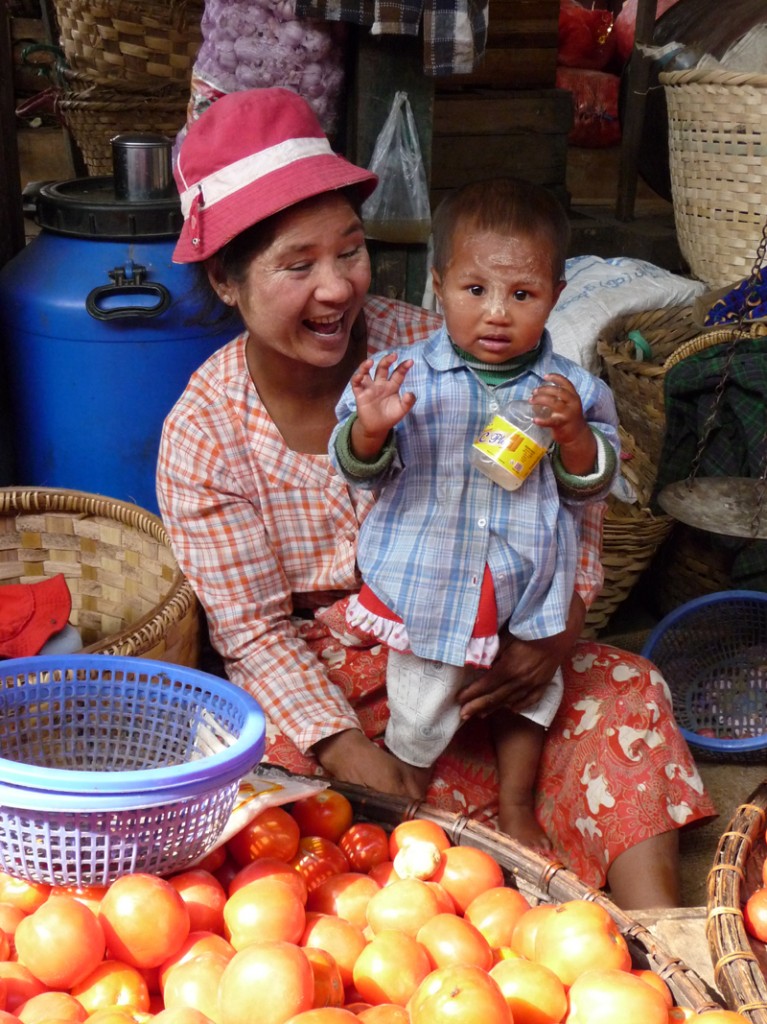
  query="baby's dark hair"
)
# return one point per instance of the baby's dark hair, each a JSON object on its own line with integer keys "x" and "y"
{"x": 504, "y": 206}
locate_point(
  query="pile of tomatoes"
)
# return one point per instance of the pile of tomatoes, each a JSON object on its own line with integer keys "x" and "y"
{"x": 308, "y": 917}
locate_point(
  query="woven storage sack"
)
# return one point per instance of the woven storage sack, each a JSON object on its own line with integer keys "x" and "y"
{"x": 631, "y": 536}
{"x": 129, "y": 596}
{"x": 718, "y": 164}
{"x": 739, "y": 961}
{"x": 131, "y": 41}
{"x": 542, "y": 881}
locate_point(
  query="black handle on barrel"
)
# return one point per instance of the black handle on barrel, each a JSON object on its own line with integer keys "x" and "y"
{"x": 123, "y": 285}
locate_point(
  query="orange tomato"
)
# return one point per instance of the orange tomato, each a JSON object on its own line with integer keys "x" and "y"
{"x": 279, "y": 970}
{"x": 342, "y": 939}
{"x": 325, "y": 1015}
{"x": 328, "y": 983}
{"x": 403, "y": 906}
{"x": 390, "y": 968}
{"x": 460, "y": 994}
{"x": 420, "y": 830}
{"x": 317, "y": 859}
{"x": 384, "y": 1013}
{"x": 27, "y": 896}
{"x": 195, "y": 983}
{"x": 214, "y": 860}
{"x": 495, "y": 913}
{"x": 10, "y": 916}
{"x": 180, "y": 1015}
{"x": 90, "y": 895}
{"x": 577, "y": 936}
{"x": 722, "y": 1017}
{"x": 604, "y": 996}
{"x": 117, "y": 1015}
{"x": 525, "y": 930}
{"x": 346, "y": 895}
{"x": 267, "y": 910}
{"x": 7, "y": 945}
{"x": 466, "y": 871}
{"x": 755, "y": 914}
{"x": 268, "y": 867}
{"x": 144, "y": 918}
{"x": 449, "y": 939}
{"x": 20, "y": 984}
{"x": 49, "y": 1006}
{"x": 326, "y": 813}
{"x": 272, "y": 833}
{"x": 384, "y": 873}
{"x": 651, "y": 978}
{"x": 195, "y": 944}
{"x": 204, "y": 896}
{"x": 364, "y": 844}
{"x": 61, "y": 942}
{"x": 9, "y": 1018}
{"x": 534, "y": 994}
{"x": 113, "y": 983}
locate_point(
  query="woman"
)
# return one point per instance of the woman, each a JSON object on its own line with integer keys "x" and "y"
{"x": 266, "y": 531}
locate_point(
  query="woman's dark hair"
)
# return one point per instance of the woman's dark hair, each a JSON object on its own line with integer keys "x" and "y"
{"x": 504, "y": 206}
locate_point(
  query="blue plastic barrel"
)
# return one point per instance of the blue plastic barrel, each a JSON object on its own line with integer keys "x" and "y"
{"x": 101, "y": 331}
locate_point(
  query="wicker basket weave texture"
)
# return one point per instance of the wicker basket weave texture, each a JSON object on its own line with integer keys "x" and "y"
{"x": 122, "y": 41}
{"x": 739, "y": 964}
{"x": 129, "y": 596}
{"x": 718, "y": 164}
{"x": 542, "y": 881}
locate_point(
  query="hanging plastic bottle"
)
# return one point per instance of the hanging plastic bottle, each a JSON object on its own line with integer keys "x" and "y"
{"x": 511, "y": 445}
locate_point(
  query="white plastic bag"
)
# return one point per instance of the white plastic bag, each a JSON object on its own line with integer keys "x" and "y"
{"x": 398, "y": 210}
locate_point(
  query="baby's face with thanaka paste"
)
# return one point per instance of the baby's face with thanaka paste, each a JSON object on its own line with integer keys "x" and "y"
{"x": 496, "y": 292}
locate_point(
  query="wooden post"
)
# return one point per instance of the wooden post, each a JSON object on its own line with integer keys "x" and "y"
{"x": 633, "y": 122}
{"x": 382, "y": 66}
{"x": 11, "y": 214}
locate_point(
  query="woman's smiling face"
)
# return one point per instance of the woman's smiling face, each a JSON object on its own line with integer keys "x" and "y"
{"x": 302, "y": 293}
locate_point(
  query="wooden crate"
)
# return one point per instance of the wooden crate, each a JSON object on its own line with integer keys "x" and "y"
{"x": 483, "y": 133}
{"x": 521, "y": 51}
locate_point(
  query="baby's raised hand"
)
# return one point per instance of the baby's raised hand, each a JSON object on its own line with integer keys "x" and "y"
{"x": 380, "y": 405}
{"x": 557, "y": 405}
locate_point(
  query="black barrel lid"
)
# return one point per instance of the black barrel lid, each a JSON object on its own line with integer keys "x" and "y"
{"x": 89, "y": 208}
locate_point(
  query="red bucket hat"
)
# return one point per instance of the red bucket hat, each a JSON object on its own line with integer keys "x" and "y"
{"x": 249, "y": 155}
{"x": 30, "y": 614}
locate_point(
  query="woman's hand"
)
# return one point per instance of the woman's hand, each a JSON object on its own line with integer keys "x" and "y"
{"x": 380, "y": 405}
{"x": 522, "y": 670}
{"x": 350, "y": 756}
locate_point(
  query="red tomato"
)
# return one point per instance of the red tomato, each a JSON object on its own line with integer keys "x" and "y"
{"x": 404, "y": 906}
{"x": 606, "y": 996}
{"x": 195, "y": 944}
{"x": 419, "y": 829}
{"x": 465, "y": 872}
{"x": 495, "y": 913}
{"x": 10, "y": 916}
{"x": 213, "y": 860}
{"x": 449, "y": 939}
{"x": 328, "y": 983}
{"x": 651, "y": 978}
{"x": 20, "y": 984}
{"x": 384, "y": 873}
{"x": 113, "y": 983}
{"x": 326, "y": 1015}
{"x": 90, "y": 895}
{"x": 144, "y": 919}
{"x": 272, "y": 833}
{"x": 27, "y": 896}
{"x": 317, "y": 859}
{"x": 346, "y": 895}
{"x": 459, "y": 994}
{"x": 365, "y": 845}
{"x": 268, "y": 867}
{"x": 277, "y": 970}
{"x": 343, "y": 940}
{"x": 61, "y": 942}
{"x": 267, "y": 910}
{"x": 195, "y": 983}
{"x": 204, "y": 896}
{"x": 755, "y": 914}
{"x": 526, "y": 929}
{"x": 384, "y": 1013}
{"x": 179, "y": 1015}
{"x": 578, "y": 936}
{"x": 52, "y": 1006}
{"x": 390, "y": 968}
{"x": 326, "y": 813}
{"x": 534, "y": 994}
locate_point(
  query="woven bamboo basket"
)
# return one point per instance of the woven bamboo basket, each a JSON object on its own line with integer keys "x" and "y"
{"x": 94, "y": 114}
{"x": 129, "y": 596}
{"x": 542, "y": 881}
{"x": 631, "y": 536}
{"x": 718, "y": 163}
{"x": 739, "y": 962}
{"x": 142, "y": 43}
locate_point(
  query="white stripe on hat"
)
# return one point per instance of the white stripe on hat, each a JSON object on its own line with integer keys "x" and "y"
{"x": 230, "y": 179}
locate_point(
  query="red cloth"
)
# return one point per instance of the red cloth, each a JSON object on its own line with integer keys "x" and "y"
{"x": 30, "y": 614}
{"x": 615, "y": 770}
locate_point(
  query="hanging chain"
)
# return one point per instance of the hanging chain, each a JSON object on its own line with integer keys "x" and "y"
{"x": 708, "y": 426}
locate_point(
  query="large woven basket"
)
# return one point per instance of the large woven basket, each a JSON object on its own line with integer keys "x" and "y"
{"x": 739, "y": 963}
{"x": 129, "y": 596}
{"x": 135, "y": 41}
{"x": 541, "y": 880}
{"x": 718, "y": 163}
{"x": 631, "y": 536}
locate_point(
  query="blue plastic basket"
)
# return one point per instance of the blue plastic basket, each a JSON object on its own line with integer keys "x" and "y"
{"x": 114, "y": 765}
{"x": 713, "y": 654}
